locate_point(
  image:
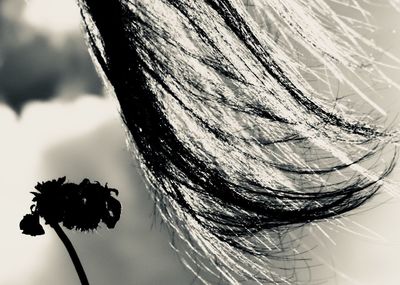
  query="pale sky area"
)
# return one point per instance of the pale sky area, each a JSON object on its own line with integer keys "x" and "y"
{"x": 44, "y": 15}
{"x": 73, "y": 129}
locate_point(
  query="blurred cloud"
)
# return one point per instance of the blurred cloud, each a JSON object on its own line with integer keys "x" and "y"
{"x": 54, "y": 16}
{"x": 36, "y": 64}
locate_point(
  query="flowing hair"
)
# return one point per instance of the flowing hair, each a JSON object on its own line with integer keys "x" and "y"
{"x": 232, "y": 110}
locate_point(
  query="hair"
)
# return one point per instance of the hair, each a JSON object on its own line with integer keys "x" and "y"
{"x": 230, "y": 109}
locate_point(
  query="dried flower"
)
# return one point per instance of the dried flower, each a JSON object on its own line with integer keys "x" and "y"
{"x": 77, "y": 206}
{"x": 30, "y": 225}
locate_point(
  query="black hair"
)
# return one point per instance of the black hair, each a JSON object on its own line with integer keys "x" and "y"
{"x": 237, "y": 145}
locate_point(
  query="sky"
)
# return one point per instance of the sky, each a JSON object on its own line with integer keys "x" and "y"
{"x": 56, "y": 120}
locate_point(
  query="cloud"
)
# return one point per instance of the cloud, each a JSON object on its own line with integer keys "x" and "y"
{"x": 37, "y": 65}
{"x": 54, "y": 16}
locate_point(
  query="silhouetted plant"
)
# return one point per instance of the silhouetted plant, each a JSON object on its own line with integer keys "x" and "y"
{"x": 77, "y": 206}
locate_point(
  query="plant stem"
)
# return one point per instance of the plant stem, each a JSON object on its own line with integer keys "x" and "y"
{"x": 72, "y": 253}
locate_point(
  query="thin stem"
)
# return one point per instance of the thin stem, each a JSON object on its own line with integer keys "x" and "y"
{"x": 72, "y": 253}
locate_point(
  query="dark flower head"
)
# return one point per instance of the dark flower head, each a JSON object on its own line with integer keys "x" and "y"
{"x": 30, "y": 225}
{"x": 49, "y": 200}
{"x": 89, "y": 205}
{"x": 77, "y": 206}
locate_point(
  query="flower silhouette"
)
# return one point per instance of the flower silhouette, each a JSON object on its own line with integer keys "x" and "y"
{"x": 77, "y": 206}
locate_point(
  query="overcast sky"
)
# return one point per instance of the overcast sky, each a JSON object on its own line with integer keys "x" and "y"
{"x": 56, "y": 121}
